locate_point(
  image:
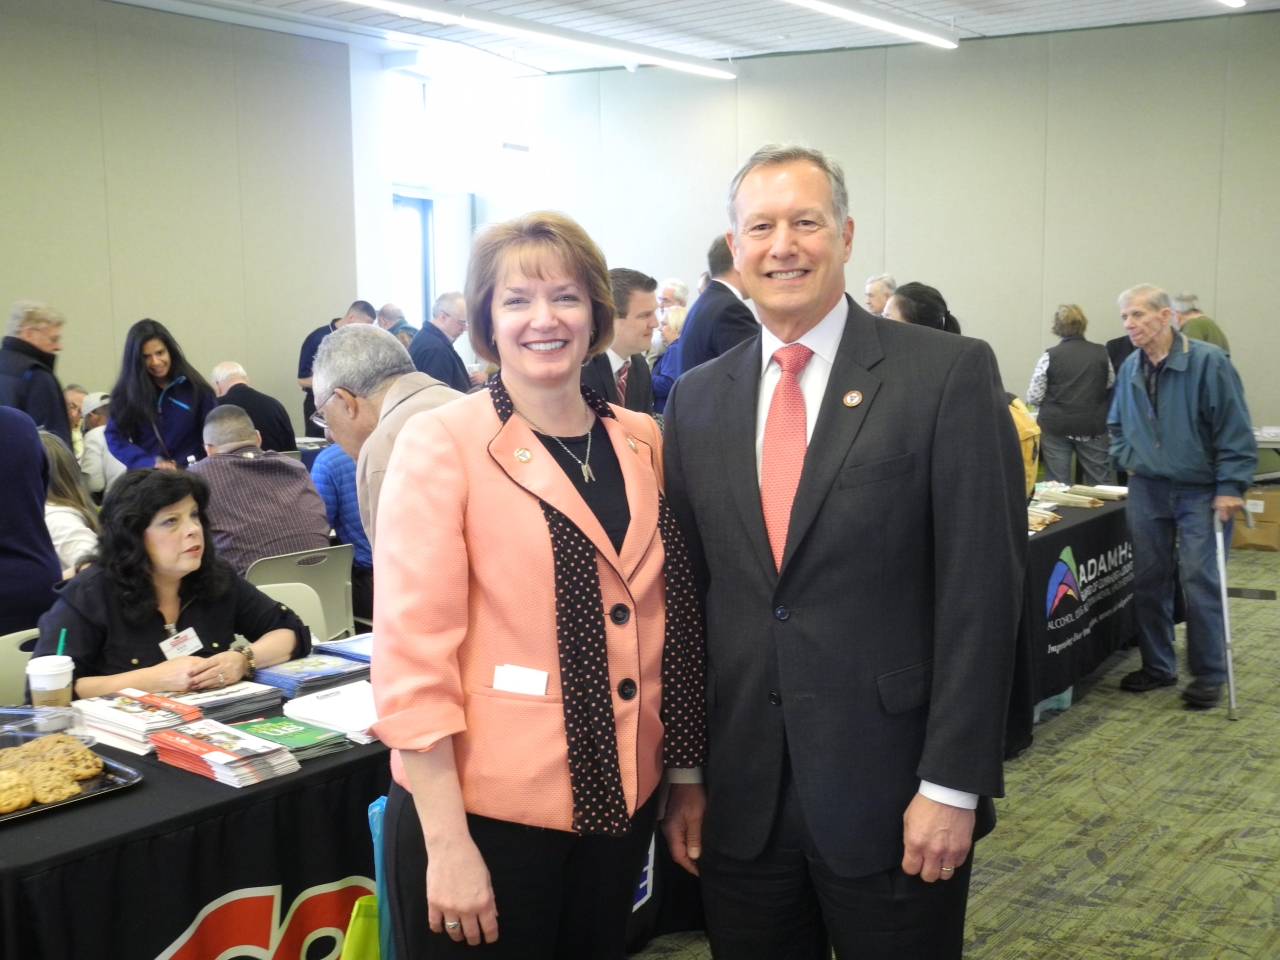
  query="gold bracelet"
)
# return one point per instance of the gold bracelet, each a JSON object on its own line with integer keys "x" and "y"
{"x": 247, "y": 652}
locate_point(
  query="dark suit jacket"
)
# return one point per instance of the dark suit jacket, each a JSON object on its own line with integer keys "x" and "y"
{"x": 883, "y": 652}
{"x": 717, "y": 322}
{"x": 433, "y": 354}
{"x": 268, "y": 415}
{"x": 597, "y": 373}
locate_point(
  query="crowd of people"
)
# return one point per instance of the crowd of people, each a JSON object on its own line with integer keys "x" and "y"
{"x": 720, "y": 542}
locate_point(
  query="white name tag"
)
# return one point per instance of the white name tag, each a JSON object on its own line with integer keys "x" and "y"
{"x": 181, "y": 644}
{"x": 520, "y": 680}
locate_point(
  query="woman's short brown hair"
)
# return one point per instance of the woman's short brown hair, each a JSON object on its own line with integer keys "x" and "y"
{"x": 524, "y": 243}
{"x": 1069, "y": 321}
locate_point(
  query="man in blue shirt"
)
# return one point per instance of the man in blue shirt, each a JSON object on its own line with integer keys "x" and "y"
{"x": 1180, "y": 428}
{"x": 334, "y": 474}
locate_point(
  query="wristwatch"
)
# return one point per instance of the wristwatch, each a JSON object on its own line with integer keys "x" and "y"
{"x": 247, "y": 649}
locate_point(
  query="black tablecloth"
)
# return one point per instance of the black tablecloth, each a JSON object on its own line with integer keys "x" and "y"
{"x": 184, "y": 867}
{"x": 1077, "y": 608}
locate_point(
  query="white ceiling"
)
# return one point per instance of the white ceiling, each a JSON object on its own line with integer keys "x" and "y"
{"x": 720, "y": 29}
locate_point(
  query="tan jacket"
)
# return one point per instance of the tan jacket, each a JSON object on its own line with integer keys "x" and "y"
{"x": 412, "y": 393}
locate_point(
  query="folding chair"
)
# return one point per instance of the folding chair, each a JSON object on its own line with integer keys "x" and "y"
{"x": 302, "y": 600}
{"x": 13, "y": 666}
{"x": 326, "y": 571}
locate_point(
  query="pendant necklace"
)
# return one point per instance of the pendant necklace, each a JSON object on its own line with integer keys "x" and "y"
{"x": 587, "y": 474}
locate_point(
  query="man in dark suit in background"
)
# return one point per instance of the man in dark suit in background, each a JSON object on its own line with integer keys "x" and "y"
{"x": 359, "y": 312}
{"x": 270, "y": 419}
{"x": 432, "y": 347}
{"x": 852, "y": 494}
{"x": 621, "y": 373}
{"x": 719, "y": 319}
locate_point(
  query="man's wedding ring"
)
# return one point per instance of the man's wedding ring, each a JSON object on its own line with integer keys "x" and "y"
{"x": 452, "y": 924}
{"x": 948, "y": 869}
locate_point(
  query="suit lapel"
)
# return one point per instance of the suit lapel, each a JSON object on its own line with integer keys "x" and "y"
{"x": 635, "y": 457}
{"x": 838, "y": 423}
{"x": 736, "y": 424}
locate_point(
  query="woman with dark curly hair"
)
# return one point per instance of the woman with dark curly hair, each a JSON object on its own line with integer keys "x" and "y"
{"x": 156, "y": 610}
{"x": 159, "y": 402}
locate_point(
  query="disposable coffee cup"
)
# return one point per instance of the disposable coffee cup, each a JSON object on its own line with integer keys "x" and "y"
{"x": 50, "y": 681}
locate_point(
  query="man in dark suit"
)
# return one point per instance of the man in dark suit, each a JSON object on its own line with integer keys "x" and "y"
{"x": 852, "y": 494}
{"x": 432, "y": 347}
{"x": 359, "y": 312}
{"x": 270, "y": 419}
{"x": 719, "y": 319}
{"x": 621, "y": 373}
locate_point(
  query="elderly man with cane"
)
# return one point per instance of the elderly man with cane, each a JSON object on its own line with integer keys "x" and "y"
{"x": 1180, "y": 428}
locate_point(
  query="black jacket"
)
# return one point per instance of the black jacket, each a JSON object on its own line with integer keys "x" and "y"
{"x": 268, "y": 415}
{"x": 27, "y": 382}
{"x": 28, "y": 563}
{"x": 597, "y": 373}
{"x": 717, "y": 322}
{"x": 882, "y": 653}
{"x": 433, "y": 354}
{"x": 1118, "y": 351}
{"x": 1076, "y": 396}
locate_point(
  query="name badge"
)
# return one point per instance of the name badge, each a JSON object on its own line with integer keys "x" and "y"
{"x": 520, "y": 680}
{"x": 181, "y": 644}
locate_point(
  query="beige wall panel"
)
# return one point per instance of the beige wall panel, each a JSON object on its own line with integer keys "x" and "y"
{"x": 835, "y": 102}
{"x": 298, "y": 213}
{"x": 1135, "y": 125}
{"x": 965, "y": 186}
{"x": 52, "y": 199}
{"x": 1247, "y": 301}
{"x": 169, "y": 133}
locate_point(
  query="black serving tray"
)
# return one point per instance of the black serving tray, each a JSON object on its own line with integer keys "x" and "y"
{"x": 114, "y": 776}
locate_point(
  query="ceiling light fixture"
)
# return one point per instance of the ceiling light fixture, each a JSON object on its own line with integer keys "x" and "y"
{"x": 878, "y": 19}
{"x": 450, "y": 15}
{"x": 1232, "y": 3}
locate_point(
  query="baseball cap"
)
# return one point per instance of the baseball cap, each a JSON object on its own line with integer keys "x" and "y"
{"x": 92, "y": 402}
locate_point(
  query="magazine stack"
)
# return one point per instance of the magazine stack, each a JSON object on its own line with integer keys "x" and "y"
{"x": 348, "y": 708}
{"x": 308, "y": 674}
{"x": 304, "y": 740}
{"x": 359, "y": 647}
{"x": 239, "y": 701}
{"x": 125, "y": 719}
{"x": 223, "y": 753}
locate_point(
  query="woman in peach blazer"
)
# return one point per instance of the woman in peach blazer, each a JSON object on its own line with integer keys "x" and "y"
{"x": 539, "y": 655}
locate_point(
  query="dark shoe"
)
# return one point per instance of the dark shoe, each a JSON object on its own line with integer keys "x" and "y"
{"x": 1140, "y": 681}
{"x": 1202, "y": 694}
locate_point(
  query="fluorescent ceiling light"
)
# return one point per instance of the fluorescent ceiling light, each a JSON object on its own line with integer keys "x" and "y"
{"x": 620, "y": 51}
{"x": 879, "y": 20}
{"x": 1232, "y": 3}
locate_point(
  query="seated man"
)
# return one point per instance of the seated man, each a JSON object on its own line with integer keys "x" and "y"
{"x": 334, "y": 474}
{"x": 261, "y": 503}
{"x": 98, "y": 465}
{"x": 231, "y": 384}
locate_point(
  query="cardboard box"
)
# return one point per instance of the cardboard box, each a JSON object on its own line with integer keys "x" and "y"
{"x": 1263, "y": 536}
{"x": 1263, "y": 504}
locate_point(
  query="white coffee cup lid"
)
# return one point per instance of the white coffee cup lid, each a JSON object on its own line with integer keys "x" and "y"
{"x": 43, "y": 666}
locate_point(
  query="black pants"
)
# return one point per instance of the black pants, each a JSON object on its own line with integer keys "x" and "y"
{"x": 560, "y": 895}
{"x": 787, "y": 904}
{"x": 362, "y": 593}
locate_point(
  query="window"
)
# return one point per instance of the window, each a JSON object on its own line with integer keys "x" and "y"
{"x": 410, "y": 256}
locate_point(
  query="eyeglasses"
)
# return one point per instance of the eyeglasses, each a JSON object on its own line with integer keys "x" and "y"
{"x": 458, "y": 320}
{"x": 318, "y": 418}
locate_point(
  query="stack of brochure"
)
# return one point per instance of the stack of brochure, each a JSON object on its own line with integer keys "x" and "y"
{"x": 236, "y": 702}
{"x": 126, "y": 718}
{"x": 304, "y": 740}
{"x": 348, "y": 708}
{"x": 223, "y": 753}
{"x": 354, "y": 648}
{"x": 309, "y": 674}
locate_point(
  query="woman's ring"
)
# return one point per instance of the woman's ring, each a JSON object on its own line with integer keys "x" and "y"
{"x": 452, "y": 924}
{"x": 221, "y": 679}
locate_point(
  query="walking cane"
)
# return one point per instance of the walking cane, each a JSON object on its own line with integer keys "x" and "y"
{"x": 1232, "y": 714}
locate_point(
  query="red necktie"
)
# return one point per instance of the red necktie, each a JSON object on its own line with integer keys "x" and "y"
{"x": 782, "y": 457}
{"x": 622, "y": 382}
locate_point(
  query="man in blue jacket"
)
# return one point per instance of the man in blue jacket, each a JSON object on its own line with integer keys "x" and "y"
{"x": 27, "y": 356}
{"x": 1180, "y": 428}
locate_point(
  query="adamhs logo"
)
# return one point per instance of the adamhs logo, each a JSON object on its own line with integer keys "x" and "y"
{"x": 1063, "y": 582}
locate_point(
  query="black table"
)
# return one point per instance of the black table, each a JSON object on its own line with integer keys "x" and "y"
{"x": 182, "y": 867}
{"x": 1077, "y": 608}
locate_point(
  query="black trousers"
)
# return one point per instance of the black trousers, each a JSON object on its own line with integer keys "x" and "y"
{"x": 787, "y": 904}
{"x": 362, "y": 592}
{"x": 560, "y": 895}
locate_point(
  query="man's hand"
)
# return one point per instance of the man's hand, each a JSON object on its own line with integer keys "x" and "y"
{"x": 1226, "y": 507}
{"x": 683, "y": 823}
{"x": 935, "y": 835}
{"x": 478, "y": 378}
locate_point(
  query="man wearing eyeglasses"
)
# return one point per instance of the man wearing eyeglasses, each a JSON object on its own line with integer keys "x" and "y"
{"x": 432, "y": 346}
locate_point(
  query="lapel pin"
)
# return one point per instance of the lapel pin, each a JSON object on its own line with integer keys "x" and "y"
{"x": 852, "y": 398}
{"x": 523, "y": 454}
{"x": 632, "y": 444}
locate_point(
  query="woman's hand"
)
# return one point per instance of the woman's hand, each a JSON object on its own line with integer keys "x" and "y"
{"x": 172, "y": 676}
{"x": 163, "y": 464}
{"x": 459, "y": 892}
{"x": 220, "y": 670}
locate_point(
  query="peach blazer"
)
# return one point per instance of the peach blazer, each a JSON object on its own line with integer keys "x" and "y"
{"x": 466, "y": 583}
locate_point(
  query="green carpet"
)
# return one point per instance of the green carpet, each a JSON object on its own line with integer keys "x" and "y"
{"x": 1133, "y": 828}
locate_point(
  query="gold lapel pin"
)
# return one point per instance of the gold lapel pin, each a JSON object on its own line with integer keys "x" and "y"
{"x": 523, "y": 454}
{"x": 632, "y": 444}
{"x": 852, "y": 398}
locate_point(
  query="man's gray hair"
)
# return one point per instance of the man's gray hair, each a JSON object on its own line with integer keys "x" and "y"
{"x": 775, "y": 154}
{"x": 360, "y": 358}
{"x": 228, "y": 370}
{"x": 389, "y": 311}
{"x": 676, "y": 286}
{"x": 29, "y": 313}
{"x": 884, "y": 280}
{"x": 1186, "y": 303}
{"x": 227, "y": 424}
{"x": 1153, "y": 296}
{"x": 445, "y": 301}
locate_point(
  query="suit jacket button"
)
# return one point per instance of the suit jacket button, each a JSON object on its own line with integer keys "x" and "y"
{"x": 627, "y": 688}
{"x": 782, "y": 613}
{"x": 775, "y": 699}
{"x": 619, "y": 613}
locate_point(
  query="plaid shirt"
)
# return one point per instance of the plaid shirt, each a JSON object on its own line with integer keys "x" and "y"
{"x": 261, "y": 504}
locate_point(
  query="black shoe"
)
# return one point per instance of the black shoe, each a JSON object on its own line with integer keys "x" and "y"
{"x": 1202, "y": 694}
{"x": 1140, "y": 681}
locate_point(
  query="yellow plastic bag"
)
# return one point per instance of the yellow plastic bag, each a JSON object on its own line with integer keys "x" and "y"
{"x": 361, "y": 942}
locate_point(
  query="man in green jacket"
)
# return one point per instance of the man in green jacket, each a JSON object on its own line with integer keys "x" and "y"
{"x": 1194, "y": 324}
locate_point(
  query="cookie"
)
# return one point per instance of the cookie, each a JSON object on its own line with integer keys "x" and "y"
{"x": 82, "y": 762}
{"x": 51, "y": 782}
{"x": 51, "y": 742}
{"x": 16, "y": 792}
{"x": 11, "y": 757}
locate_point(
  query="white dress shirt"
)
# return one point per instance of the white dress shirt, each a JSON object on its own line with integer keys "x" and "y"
{"x": 824, "y": 341}
{"x": 615, "y": 362}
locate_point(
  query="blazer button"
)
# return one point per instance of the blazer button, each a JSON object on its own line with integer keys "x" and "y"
{"x": 627, "y": 688}
{"x": 775, "y": 699}
{"x": 782, "y": 613}
{"x": 619, "y": 614}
